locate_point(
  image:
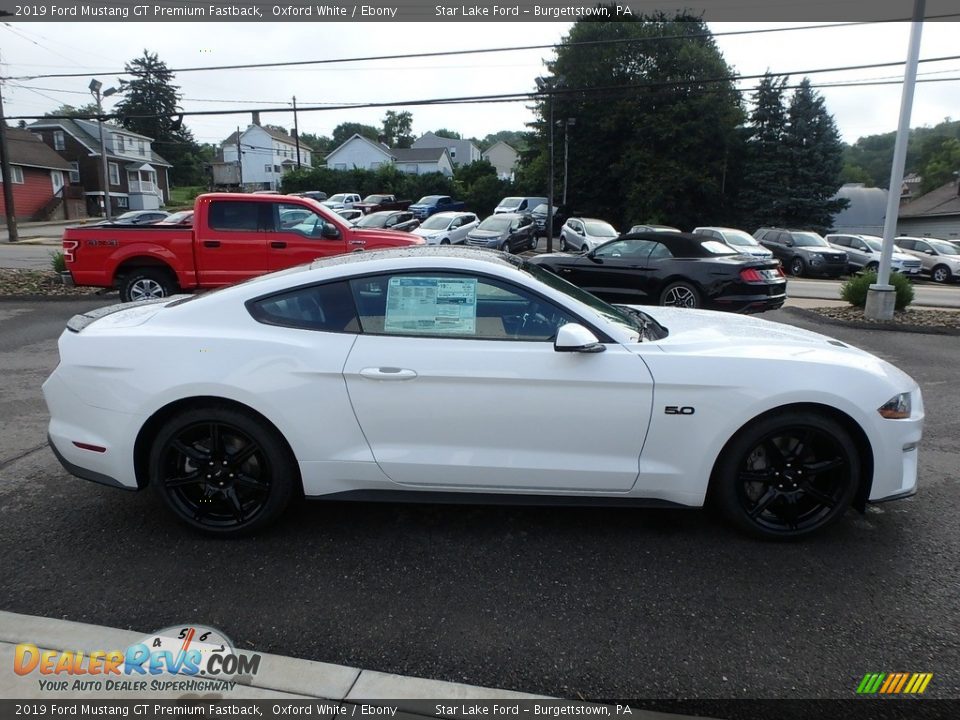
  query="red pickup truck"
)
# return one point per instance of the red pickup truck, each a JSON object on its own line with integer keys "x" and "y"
{"x": 234, "y": 237}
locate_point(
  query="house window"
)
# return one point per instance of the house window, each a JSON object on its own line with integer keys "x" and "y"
{"x": 75, "y": 172}
{"x": 122, "y": 202}
{"x": 453, "y": 152}
{"x": 276, "y": 168}
{"x": 114, "y": 174}
{"x": 59, "y": 141}
{"x": 16, "y": 175}
{"x": 143, "y": 150}
{"x": 268, "y": 169}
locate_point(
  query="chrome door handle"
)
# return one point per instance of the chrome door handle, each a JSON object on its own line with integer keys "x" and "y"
{"x": 388, "y": 373}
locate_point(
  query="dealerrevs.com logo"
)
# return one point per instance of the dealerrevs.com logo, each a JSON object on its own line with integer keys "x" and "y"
{"x": 185, "y": 658}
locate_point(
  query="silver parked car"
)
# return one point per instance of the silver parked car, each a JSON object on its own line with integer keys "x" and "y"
{"x": 938, "y": 257}
{"x": 584, "y": 234}
{"x": 739, "y": 240}
{"x": 863, "y": 253}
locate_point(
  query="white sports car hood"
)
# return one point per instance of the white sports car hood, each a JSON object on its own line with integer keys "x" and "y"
{"x": 710, "y": 333}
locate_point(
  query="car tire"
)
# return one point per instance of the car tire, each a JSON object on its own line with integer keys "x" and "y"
{"x": 941, "y": 274}
{"x": 252, "y": 473}
{"x": 808, "y": 474}
{"x": 563, "y": 244}
{"x": 680, "y": 294}
{"x": 445, "y": 241}
{"x": 505, "y": 246}
{"x": 147, "y": 284}
{"x": 872, "y": 267}
{"x": 797, "y": 267}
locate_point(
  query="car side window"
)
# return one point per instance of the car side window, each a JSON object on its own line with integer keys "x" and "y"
{"x": 635, "y": 249}
{"x": 841, "y": 240}
{"x": 660, "y": 252}
{"x": 326, "y": 308}
{"x": 241, "y": 216}
{"x": 299, "y": 220}
{"x": 432, "y": 304}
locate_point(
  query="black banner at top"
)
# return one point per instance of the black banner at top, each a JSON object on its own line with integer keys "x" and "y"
{"x": 475, "y": 10}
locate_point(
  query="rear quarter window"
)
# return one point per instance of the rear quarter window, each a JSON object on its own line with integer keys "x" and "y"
{"x": 324, "y": 308}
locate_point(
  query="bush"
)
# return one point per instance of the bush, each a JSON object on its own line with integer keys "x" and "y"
{"x": 57, "y": 262}
{"x": 854, "y": 290}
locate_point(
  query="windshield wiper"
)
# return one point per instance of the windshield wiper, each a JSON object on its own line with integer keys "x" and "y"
{"x": 648, "y": 327}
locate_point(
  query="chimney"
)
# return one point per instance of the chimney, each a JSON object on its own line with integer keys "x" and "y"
{"x": 256, "y": 117}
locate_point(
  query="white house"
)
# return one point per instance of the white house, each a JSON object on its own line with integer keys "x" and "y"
{"x": 503, "y": 158}
{"x": 365, "y": 154}
{"x": 266, "y": 155}
{"x": 462, "y": 152}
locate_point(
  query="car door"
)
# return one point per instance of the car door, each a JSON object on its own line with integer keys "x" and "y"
{"x": 617, "y": 271}
{"x": 313, "y": 238}
{"x": 232, "y": 243}
{"x": 456, "y": 384}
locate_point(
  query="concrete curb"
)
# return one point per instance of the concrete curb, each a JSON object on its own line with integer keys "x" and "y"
{"x": 864, "y": 325}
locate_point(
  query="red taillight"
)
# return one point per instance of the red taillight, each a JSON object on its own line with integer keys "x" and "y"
{"x": 68, "y": 247}
{"x": 751, "y": 275}
{"x": 780, "y": 272}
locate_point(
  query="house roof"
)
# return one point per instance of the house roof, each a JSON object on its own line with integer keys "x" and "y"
{"x": 382, "y": 149}
{"x": 27, "y": 150}
{"x": 431, "y": 140}
{"x": 500, "y": 142}
{"x": 87, "y": 132}
{"x": 418, "y": 154}
{"x": 945, "y": 200}
{"x": 275, "y": 134}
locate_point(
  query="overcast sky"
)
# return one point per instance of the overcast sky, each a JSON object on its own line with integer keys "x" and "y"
{"x": 99, "y": 48}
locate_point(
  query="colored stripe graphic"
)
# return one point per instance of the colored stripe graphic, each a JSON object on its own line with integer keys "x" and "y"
{"x": 894, "y": 683}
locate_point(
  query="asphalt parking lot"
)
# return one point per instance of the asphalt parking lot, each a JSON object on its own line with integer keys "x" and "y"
{"x": 598, "y": 603}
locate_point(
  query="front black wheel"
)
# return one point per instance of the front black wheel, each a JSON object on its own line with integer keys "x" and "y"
{"x": 787, "y": 476}
{"x": 941, "y": 274}
{"x": 222, "y": 471}
{"x": 147, "y": 284}
{"x": 680, "y": 294}
{"x": 797, "y": 267}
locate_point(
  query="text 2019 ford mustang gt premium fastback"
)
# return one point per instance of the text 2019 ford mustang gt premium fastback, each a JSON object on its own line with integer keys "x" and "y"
{"x": 405, "y": 375}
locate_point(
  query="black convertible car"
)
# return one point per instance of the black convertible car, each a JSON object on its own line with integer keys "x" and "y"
{"x": 678, "y": 269}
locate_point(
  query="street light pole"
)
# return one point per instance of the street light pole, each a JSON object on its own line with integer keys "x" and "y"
{"x": 566, "y": 154}
{"x": 550, "y": 188}
{"x": 95, "y": 86}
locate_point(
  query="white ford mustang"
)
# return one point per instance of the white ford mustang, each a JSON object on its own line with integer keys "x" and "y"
{"x": 444, "y": 374}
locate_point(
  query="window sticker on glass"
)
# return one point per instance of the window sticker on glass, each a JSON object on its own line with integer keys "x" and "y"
{"x": 443, "y": 306}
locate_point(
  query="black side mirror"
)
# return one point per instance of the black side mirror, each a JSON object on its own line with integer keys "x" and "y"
{"x": 330, "y": 232}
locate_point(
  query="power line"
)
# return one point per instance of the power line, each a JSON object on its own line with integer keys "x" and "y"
{"x": 481, "y": 51}
{"x": 506, "y": 97}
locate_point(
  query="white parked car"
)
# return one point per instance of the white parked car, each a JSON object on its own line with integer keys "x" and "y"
{"x": 739, "y": 240}
{"x": 584, "y": 234}
{"x": 350, "y": 215}
{"x": 864, "y": 251}
{"x": 447, "y": 228}
{"x": 341, "y": 201}
{"x": 415, "y": 372}
{"x": 939, "y": 258}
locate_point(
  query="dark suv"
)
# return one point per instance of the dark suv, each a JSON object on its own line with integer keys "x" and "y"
{"x": 803, "y": 252}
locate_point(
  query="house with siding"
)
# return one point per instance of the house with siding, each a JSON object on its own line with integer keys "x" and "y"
{"x": 39, "y": 178}
{"x": 461, "y": 152}
{"x": 266, "y": 155}
{"x": 362, "y": 153}
{"x": 935, "y": 214}
{"x": 503, "y": 158}
{"x": 137, "y": 175}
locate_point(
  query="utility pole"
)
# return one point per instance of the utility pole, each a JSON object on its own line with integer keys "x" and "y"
{"x": 296, "y": 130}
{"x": 12, "y": 235}
{"x": 550, "y": 194}
{"x": 95, "y": 86}
{"x": 566, "y": 154}
{"x": 239, "y": 160}
{"x": 881, "y": 297}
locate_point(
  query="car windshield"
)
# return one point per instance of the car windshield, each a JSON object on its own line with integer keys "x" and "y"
{"x": 605, "y": 310}
{"x": 373, "y": 220}
{"x": 374, "y": 198}
{"x": 944, "y": 248}
{"x": 339, "y": 197}
{"x": 808, "y": 239}
{"x": 598, "y": 228}
{"x": 428, "y": 200}
{"x": 718, "y": 248}
{"x": 511, "y": 202}
{"x": 178, "y": 216}
{"x": 739, "y": 238}
{"x": 540, "y": 210}
{"x": 435, "y": 222}
{"x": 875, "y": 244}
{"x": 128, "y": 215}
{"x": 495, "y": 222}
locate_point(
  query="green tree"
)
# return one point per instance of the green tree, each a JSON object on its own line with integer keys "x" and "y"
{"x": 398, "y": 129}
{"x": 88, "y": 110}
{"x": 942, "y": 166}
{"x": 444, "y": 133}
{"x": 150, "y": 106}
{"x": 345, "y": 131}
{"x": 659, "y": 150}
{"x": 320, "y": 144}
{"x": 766, "y": 160}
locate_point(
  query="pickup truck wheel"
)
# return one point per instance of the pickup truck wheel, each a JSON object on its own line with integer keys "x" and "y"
{"x": 146, "y": 284}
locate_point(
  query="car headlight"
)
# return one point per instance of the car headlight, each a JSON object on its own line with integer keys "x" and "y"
{"x": 896, "y": 408}
{"x": 816, "y": 258}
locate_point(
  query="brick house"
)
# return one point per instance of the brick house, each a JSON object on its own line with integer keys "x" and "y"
{"x": 138, "y": 176}
{"x": 39, "y": 178}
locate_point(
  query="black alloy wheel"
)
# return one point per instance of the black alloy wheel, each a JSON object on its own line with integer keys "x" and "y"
{"x": 798, "y": 267}
{"x": 222, "y": 471}
{"x": 680, "y": 294}
{"x": 787, "y": 476}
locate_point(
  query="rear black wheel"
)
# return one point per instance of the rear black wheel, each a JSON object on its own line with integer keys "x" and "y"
{"x": 222, "y": 471}
{"x": 147, "y": 284}
{"x": 872, "y": 267}
{"x": 787, "y": 476}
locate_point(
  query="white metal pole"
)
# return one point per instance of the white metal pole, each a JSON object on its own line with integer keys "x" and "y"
{"x": 880, "y": 297}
